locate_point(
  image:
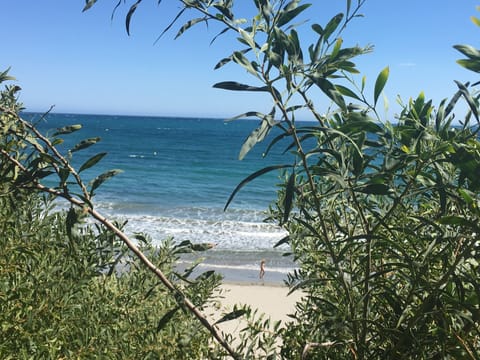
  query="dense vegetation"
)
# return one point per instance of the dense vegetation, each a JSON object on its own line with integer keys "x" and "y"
{"x": 383, "y": 219}
{"x": 71, "y": 289}
{"x": 58, "y": 300}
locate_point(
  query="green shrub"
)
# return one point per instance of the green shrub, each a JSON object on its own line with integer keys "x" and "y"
{"x": 57, "y": 299}
{"x": 383, "y": 218}
{"x": 73, "y": 289}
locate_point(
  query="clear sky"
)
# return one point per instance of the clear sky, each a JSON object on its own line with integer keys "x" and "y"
{"x": 86, "y": 63}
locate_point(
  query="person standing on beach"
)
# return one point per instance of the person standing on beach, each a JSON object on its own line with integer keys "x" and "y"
{"x": 262, "y": 269}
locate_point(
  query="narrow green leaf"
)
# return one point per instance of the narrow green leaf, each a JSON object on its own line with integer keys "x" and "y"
{"x": 332, "y": 26}
{"x": 63, "y": 175}
{"x": 358, "y": 162}
{"x": 5, "y": 77}
{"x": 336, "y": 48}
{"x": 467, "y": 196}
{"x": 151, "y": 290}
{"x": 255, "y": 137}
{"x": 440, "y": 115}
{"x": 329, "y": 89}
{"x": 140, "y": 237}
{"x": 468, "y": 51}
{"x": 289, "y": 196}
{"x": 346, "y": 92}
{"x": 235, "y": 314}
{"x": 475, "y": 20}
{"x": 452, "y": 103}
{"x": 294, "y": 49}
{"x": 282, "y": 241}
{"x": 471, "y": 65}
{"x": 188, "y": 25}
{"x": 247, "y": 37}
{"x": 230, "y": 58}
{"x": 115, "y": 9}
{"x": 247, "y": 114}
{"x": 458, "y": 221}
{"x": 49, "y": 159}
{"x": 286, "y": 16}
{"x": 359, "y": 121}
{"x": 380, "y": 84}
{"x": 166, "y": 318}
{"x": 99, "y": 180}
{"x": 70, "y": 221}
{"x": 205, "y": 275}
{"x": 67, "y": 129}
{"x": 219, "y": 34}
{"x": 184, "y": 247}
{"x": 252, "y": 177}
{"x": 240, "y": 59}
{"x": 278, "y": 138}
{"x": 85, "y": 144}
{"x": 40, "y": 173}
{"x": 180, "y": 13}
{"x": 235, "y": 86}
{"x": 88, "y": 4}
{"x": 293, "y": 4}
{"x": 188, "y": 272}
{"x": 374, "y": 189}
{"x": 57, "y": 141}
{"x": 223, "y": 62}
{"x": 473, "y": 55}
{"x": 129, "y": 15}
{"x": 471, "y": 102}
{"x": 225, "y": 10}
{"x": 318, "y": 29}
{"x": 92, "y": 161}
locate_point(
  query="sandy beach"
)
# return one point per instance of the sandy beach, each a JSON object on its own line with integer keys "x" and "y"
{"x": 270, "y": 299}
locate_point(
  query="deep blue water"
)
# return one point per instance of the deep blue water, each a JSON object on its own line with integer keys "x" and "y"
{"x": 177, "y": 176}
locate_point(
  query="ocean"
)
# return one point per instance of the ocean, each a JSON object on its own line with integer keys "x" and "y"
{"x": 178, "y": 174}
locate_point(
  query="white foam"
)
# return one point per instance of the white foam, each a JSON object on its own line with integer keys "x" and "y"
{"x": 245, "y": 267}
{"x": 239, "y": 267}
{"x": 226, "y": 234}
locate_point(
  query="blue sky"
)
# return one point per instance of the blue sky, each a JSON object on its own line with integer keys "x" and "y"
{"x": 86, "y": 63}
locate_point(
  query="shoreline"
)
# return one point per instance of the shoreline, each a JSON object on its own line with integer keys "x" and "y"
{"x": 236, "y": 269}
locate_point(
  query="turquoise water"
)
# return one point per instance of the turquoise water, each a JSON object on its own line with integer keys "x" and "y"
{"x": 177, "y": 176}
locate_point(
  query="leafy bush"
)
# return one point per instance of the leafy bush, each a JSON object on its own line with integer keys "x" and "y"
{"x": 71, "y": 289}
{"x": 387, "y": 251}
{"x": 59, "y": 301}
{"x": 383, "y": 218}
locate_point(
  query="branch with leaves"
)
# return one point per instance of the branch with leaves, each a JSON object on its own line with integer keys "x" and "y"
{"x": 380, "y": 214}
{"x": 28, "y": 169}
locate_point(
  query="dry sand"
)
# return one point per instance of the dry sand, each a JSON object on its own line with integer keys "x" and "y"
{"x": 269, "y": 299}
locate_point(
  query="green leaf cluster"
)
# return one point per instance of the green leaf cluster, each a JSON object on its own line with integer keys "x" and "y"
{"x": 382, "y": 217}
{"x": 78, "y": 294}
